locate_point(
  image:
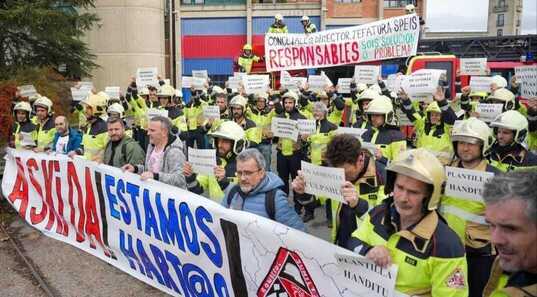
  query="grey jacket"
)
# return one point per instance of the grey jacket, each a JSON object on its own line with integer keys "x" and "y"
{"x": 173, "y": 160}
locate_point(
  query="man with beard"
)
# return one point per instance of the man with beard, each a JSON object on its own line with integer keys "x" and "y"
{"x": 258, "y": 191}
{"x": 229, "y": 140}
{"x": 471, "y": 140}
{"x": 45, "y": 130}
{"x": 512, "y": 216}
{"x": 238, "y": 111}
{"x": 66, "y": 140}
{"x": 121, "y": 149}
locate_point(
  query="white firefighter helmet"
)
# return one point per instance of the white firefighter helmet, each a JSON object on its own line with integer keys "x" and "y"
{"x": 232, "y": 131}
{"x": 278, "y": 17}
{"x": 290, "y": 95}
{"x": 382, "y": 105}
{"x": 514, "y": 121}
{"x": 166, "y": 91}
{"x": 422, "y": 165}
{"x": 410, "y": 9}
{"x": 305, "y": 18}
{"x": 368, "y": 94}
{"x": 24, "y": 106}
{"x": 43, "y": 102}
{"x": 144, "y": 91}
{"x": 116, "y": 108}
{"x": 472, "y": 130}
{"x": 238, "y": 101}
{"x": 498, "y": 82}
{"x": 506, "y": 97}
{"x": 97, "y": 103}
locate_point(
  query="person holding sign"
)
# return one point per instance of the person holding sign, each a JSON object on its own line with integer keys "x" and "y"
{"x": 433, "y": 129}
{"x": 238, "y": 111}
{"x": 95, "y": 134}
{"x": 165, "y": 95}
{"x": 23, "y": 126}
{"x": 229, "y": 140}
{"x": 470, "y": 99}
{"x": 289, "y": 152}
{"x": 261, "y": 115}
{"x": 45, "y": 123}
{"x": 509, "y": 150}
{"x": 194, "y": 118}
{"x": 511, "y": 213}
{"x": 316, "y": 144}
{"x": 363, "y": 101}
{"x": 247, "y": 59}
{"x": 384, "y": 131}
{"x": 407, "y": 231}
{"x": 278, "y": 26}
{"x": 221, "y": 100}
{"x": 471, "y": 142}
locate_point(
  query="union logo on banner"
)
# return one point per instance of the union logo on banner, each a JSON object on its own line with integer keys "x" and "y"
{"x": 287, "y": 276}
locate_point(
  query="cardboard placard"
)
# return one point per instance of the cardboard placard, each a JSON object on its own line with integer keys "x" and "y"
{"x": 198, "y": 83}
{"x": 79, "y": 94}
{"x": 203, "y": 161}
{"x": 234, "y": 83}
{"x": 465, "y": 183}
{"x": 317, "y": 83}
{"x": 527, "y": 77}
{"x": 488, "y": 112}
{"x": 186, "y": 82}
{"x": 366, "y": 74}
{"x": 473, "y": 66}
{"x": 323, "y": 181}
{"x": 113, "y": 92}
{"x": 394, "y": 82}
{"x": 480, "y": 83}
{"x": 146, "y": 77}
{"x": 306, "y": 126}
{"x": 344, "y": 85}
{"x": 200, "y": 74}
{"x": 284, "y": 128}
{"x": 254, "y": 84}
{"x": 211, "y": 112}
{"x": 423, "y": 81}
{"x": 27, "y": 91}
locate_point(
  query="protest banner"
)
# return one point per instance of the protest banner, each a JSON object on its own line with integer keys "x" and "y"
{"x": 27, "y": 91}
{"x": 200, "y": 74}
{"x": 480, "y": 83}
{"x": 186, "y": 82}
{"x": 385, "y": 39}
{"x": 355, "y": 267}
{"x": 356, "y": 132}
{"x": 254, "y": 84}
{"x": 473, "y": 66}
{"x": 211, "y": 112}
{"x": 146, "y": 77}
{"x": 466, "y": 183}
{"x": 284, "y": 128}
{"x": 203, "y": 161}
{"x": 79, "y": 94}
{"x": 488, "y": 112}
{"x": 323, "y": 181}
{"x": 174, "y": 240}
{"x": 527, "y": 77}
{"x": 344, "y": 85}
{"x": 423, "y": 81}
{"x": 366, "y": 74}
{"x": 113, "y": 92}
{"x": 153, "y": 112}
{"x": 306, "y": 126}
{"x": 317, "y": 83}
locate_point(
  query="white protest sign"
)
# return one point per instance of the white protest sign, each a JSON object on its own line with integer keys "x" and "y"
{"x": 465, "y": 183}
{"x": 356, "y": 269}
{"x": 203, "y": 161}
{"x": 373, "y": 41}
{"x": 146, "y": 77}
{"x": 225, "y": 246}
{"x": 254, "y": 84}
{"x": 527, "y": 77}
{"x": 284, "y": 128}
{"x": 113, "y": 92}
{"x": 85, "y": 85}
{"x": 423, "y": 81}
{"x": 200, "y": 73}
{"x": 239, "y": 74}
{"x": 323, "y": 181}
{"x": 371, "y": 147}
{"x": 344, "y": 85}
{"x": 153, "y": 112}
{"x": 488, "y": 112}
{"x": 306, "y": 126}
{"x": 198, "y": 83}
{"x": 480, "y": 83}
{"x": 27, "y": 91}
{"x": 394, "y": 82}
{"x": 366, "y": 74}
{"x": 295, "y": 83}
{"x": 211, "y": 112}
{"x": 327, "y": 79}
{"x": 473, "y": 66}
{"x": 186, "y": 82}
{"x": 316, "y": 82}
{"x": 233, "y": 83}
{"x": 356, "y": 132}
{"x": 79, "y": 94}
{"x": 26, "y": 139}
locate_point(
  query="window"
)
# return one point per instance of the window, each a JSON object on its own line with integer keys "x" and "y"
{"x": 501, "y": 3}
{"x": 398, "y": 3}
{"x": 499, "y": 20}
{"x": 500, "y": 32}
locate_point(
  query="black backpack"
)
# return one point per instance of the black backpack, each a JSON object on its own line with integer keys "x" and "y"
{"x": 270, "y": 198}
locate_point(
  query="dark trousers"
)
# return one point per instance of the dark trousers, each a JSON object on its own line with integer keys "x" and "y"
{"x": 479, "y": 268}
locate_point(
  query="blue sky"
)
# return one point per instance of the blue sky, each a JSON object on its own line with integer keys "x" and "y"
{"x": 471, "y": 15}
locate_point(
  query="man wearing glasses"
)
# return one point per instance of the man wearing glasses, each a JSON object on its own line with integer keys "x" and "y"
{"x": 259, "y": 191}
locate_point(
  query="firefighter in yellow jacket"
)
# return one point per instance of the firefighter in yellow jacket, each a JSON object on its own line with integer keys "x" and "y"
{"x": 247, "y": 59}
{"x": 95, "y": 134}
{"x": 278, "y": 26}
{"x": 511, "y": 212}
{"x": 24, "y": 133}
{"x": 45, "y": 123}
{"x": 229, "y": 140}
{"x": 407, "y": 231}
{"x": 471, "y": 139}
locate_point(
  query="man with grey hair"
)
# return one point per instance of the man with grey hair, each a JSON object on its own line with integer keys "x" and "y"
{"x": 511, "y": 211}
{"x": 164, "y": 159}
{"x": 259, "y": 191}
